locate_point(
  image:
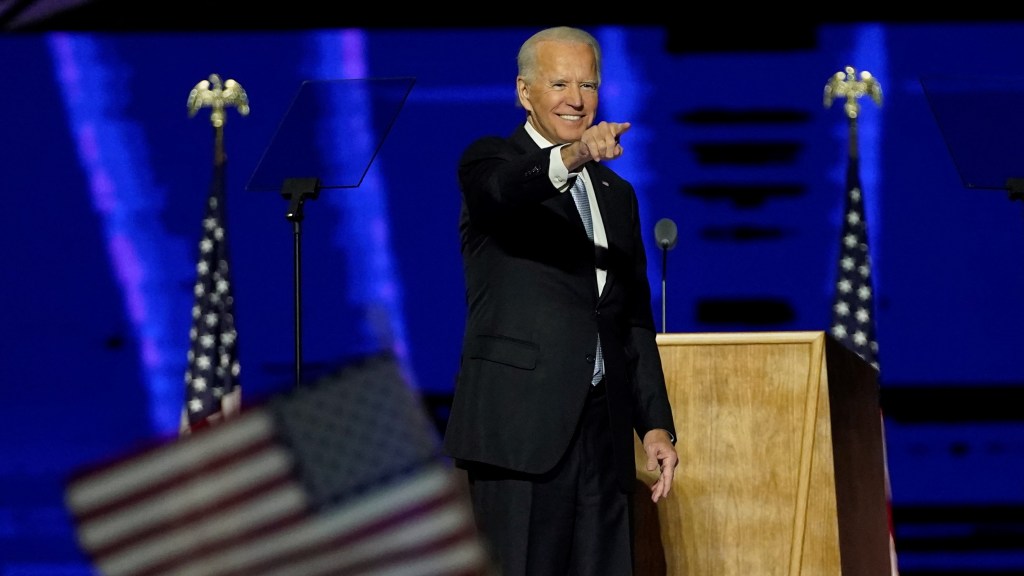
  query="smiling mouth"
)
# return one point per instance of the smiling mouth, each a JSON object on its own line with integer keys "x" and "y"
{"x": 571, "y": 117}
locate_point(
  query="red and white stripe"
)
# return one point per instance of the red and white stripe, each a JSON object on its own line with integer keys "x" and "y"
{"x": 226, "y": 501}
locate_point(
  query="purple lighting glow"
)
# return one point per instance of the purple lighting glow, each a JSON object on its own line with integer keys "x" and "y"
{"x": 122, "y": 189}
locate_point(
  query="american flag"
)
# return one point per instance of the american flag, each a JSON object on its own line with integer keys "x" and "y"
{"x": 340, "y": 477}
{"x": 853, "y": 320}
{"x": 212, "y": 391}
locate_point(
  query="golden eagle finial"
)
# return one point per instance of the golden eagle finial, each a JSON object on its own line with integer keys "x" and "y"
{"x": 213, "y": 94}
{"x": 850, "y": 85}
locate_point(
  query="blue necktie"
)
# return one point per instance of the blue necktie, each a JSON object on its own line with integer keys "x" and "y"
{"x": 579, "y": 195}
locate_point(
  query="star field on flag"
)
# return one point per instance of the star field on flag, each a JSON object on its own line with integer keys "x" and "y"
{"x": 853, "y": 321}
{"x": 212, "y": 390}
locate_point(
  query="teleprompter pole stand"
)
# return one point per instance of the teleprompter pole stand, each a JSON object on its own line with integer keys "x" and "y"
{"x": 310, "y": 120}
{"x": 297, "y": 191}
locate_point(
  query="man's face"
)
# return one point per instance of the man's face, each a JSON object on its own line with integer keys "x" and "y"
{"x": 562, "y": 99}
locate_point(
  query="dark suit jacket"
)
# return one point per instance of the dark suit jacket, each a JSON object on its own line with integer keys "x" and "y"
{"x": 533, "y": 314}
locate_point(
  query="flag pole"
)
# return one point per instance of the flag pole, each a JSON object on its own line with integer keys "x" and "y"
{"x": 212, "y": 392}
{"x": 853, "y": 314}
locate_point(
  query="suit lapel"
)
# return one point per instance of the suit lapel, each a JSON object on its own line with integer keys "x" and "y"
{"x": 562, "y": 203}
{"x": 604, "y": 193}
{"x": 607, "y": 203}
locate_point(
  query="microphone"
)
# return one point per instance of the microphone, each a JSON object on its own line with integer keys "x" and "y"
{"x": 666, "y": 233}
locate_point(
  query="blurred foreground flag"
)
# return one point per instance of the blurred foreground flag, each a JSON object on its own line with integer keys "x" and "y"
{"x": 340, "y": 477}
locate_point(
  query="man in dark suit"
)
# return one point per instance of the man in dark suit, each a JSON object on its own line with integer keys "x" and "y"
{"x": 560, "y": 364}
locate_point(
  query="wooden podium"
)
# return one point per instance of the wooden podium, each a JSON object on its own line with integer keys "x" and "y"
{"x": 781, "y": 466}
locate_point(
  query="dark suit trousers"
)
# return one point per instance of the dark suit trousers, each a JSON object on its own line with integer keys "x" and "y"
{"x": 571, "y": 521}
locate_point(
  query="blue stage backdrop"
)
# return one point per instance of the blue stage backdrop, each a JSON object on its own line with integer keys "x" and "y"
{"x": 106, "y": 177}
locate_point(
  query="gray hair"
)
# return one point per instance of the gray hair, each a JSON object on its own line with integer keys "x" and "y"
{"x": 527, "y": 58}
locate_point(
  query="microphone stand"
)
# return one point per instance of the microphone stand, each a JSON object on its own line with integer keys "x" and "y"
{"x": 664, "y": 270}
{"x": 665, "y": 233}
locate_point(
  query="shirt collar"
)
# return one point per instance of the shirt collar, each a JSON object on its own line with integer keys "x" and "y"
{"x": 540, "y": 140}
